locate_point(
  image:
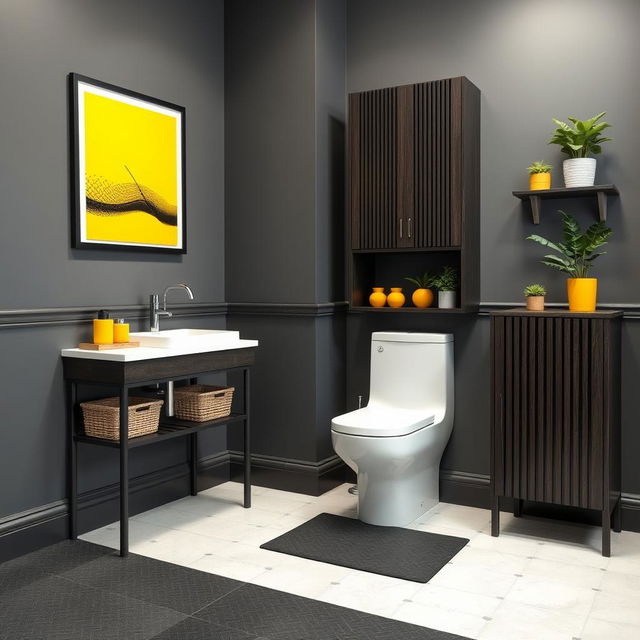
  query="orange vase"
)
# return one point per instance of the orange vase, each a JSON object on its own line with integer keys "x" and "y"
{"x": 538, "y": 181}
{"x": 396, "y": 297}
{"x": 422, "y": 298}
{"x": 582, "y": 293}
{"x": 378, "y": 297}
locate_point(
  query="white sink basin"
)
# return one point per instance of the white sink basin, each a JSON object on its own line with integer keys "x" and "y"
{"x": 185, "y": 338}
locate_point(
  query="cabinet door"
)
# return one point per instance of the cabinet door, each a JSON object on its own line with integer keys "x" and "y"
{"x": 380, "y": 168}
{"x": 549, "y": 409}
{"x": 437, "y": 153}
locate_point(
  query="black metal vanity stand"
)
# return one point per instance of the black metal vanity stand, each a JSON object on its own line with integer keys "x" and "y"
{"x": 125, "y": 375}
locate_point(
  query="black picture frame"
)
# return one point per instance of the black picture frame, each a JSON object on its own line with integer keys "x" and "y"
{"x": 78, "y": 210}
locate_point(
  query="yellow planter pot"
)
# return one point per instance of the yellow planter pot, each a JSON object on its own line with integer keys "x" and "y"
{"x": 538, "y": 181}
{"x": 422, "y": 298}
{"x": 582, "y": 293}
{"x": 396, "y": 297}
{"x": 378, "y": 298}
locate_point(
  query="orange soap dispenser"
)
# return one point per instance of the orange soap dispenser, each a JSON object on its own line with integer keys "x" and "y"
{"x": 103, "y": 328}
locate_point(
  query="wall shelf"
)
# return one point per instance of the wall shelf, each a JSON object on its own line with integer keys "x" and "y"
{"x": 600, "y": 192}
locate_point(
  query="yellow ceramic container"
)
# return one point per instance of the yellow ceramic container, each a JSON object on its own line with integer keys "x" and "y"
{"x": 103, "y": 331}
{"x": 396, "y": 297}
{"x": 422, "y": 298}
{"x": 378, "y": 297}
{"x": 538, "y": 181}
{"x": 582, "y": 293}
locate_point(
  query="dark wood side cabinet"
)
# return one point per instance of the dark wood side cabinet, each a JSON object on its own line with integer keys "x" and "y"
{"x": 556, "y": 412}
{"x": 414, "y": 185}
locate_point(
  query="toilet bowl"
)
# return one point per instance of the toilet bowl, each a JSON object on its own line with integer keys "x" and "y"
{"x": 395, "y": 443}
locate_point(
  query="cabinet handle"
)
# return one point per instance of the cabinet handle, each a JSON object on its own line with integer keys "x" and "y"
{"x": 400, "y": 228}
{"x": 409, "y": 227}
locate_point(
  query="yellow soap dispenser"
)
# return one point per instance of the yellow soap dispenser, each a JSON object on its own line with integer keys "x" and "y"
{"x": 121, "y": 331}
{"x": 103, "y": 328}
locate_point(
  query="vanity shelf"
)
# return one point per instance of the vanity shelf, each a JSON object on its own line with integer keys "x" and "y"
{"x": 600, "y": 192}
{"x": 169, "y": 428}
{"x": 126, "y": 375}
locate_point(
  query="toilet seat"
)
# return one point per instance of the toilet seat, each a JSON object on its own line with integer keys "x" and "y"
{"x": 381, "y": 422}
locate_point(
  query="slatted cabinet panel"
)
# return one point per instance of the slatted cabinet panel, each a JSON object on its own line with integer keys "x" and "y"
{"x": 555, "y": 409}
{"x": 376, "y": 184}
{"x": 436, "y": 211}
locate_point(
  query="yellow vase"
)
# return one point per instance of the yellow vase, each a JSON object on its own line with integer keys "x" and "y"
{"x": 396, "y": 297}
{"x": 422, "y": 298}
{"x": 378, "y": 297}
{"x": 582, "y": 293}
{"x": 538, "y": 181}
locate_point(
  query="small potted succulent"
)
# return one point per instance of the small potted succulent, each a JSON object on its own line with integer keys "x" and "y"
{"x": 447, "y": 283}
{"x": 579, "y": 141}
{"x": 577, "y": 253}
{"x": 423, "y": 296}
{"x": 539, "y": 176}
{"x": 535, "y": 294}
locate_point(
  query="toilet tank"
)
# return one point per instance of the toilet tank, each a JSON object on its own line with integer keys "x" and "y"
{"x": 412, "y": 370}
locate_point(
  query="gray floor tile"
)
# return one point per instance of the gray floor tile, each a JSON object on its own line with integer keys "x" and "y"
{"x": 56, "y": 609}
{"x": 161, "y": 583}
{"x": 57, "y": 558}
{"x": 192, "y": 629}
{"x": 282, "y": 616}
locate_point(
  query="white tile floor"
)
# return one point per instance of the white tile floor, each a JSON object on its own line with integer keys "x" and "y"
{"x": 541, "y": 579}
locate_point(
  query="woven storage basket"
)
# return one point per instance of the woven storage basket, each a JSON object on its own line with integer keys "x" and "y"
{"x": 201, "y": 402}
{"x": 102, "y": 417}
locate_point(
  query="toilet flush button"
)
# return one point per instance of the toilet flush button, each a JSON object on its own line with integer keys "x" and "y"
{"x": 380, "y": 349}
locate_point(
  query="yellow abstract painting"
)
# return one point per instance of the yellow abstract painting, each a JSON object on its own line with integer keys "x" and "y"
{"x": 130, "y": 169}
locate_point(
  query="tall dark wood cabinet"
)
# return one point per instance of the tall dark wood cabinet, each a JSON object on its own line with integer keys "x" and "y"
{"x": 556, "y": 411}
{"x": 414, "y": 186}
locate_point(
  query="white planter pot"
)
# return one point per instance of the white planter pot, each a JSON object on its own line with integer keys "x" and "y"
{"x": 447, "y": 299}
{"x": 579, "y": 172}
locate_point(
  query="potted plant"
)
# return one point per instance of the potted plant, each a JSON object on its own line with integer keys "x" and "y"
{"x": 446, "y": 283}
{"x": 539, "y": 176}
{"x": 577, "y": 253}
{"x": 578, "y": 142}
{"x": 422, "y": 297}
{"x": 535, "y": 294}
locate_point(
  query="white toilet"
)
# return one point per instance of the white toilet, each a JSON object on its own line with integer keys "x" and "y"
{"x": 396, "y": 442}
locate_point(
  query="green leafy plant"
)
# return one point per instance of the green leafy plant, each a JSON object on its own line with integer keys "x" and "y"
{"x": 447, "y": 280}
{"x": 581, "y": 139}
{"x": 577, "y": 250}
{"x": 539, "y": 167}
{"x": 535, "y": 290}
{"x": 425, "y": 281}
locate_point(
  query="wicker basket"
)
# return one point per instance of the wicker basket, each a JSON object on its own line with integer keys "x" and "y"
{"x": 102, "y": 417}
{"x": 201, "y": 402}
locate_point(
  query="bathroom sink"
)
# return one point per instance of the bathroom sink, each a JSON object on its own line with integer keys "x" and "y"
{"x": 185, "y": 338}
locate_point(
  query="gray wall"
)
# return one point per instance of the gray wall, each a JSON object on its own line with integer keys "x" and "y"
{"x": 284, "y": 92}
{"x": 156, "y": 47}
{"x": 530, "y": 66}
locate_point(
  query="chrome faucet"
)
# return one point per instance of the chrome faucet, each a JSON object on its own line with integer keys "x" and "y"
{"x": 154, "y": 305}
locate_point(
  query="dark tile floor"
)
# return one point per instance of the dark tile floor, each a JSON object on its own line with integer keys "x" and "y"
{"x": 80, "y": 591}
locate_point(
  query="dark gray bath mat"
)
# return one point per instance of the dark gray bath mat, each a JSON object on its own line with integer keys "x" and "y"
{"x": 389, "y": 551}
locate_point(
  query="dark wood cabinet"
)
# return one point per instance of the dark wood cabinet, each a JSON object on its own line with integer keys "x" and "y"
{"x": 556, "y": 411}
{"x": 414, "y": 156}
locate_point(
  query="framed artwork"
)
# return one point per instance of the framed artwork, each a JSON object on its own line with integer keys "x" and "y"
{"x": 128, "y": 169}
